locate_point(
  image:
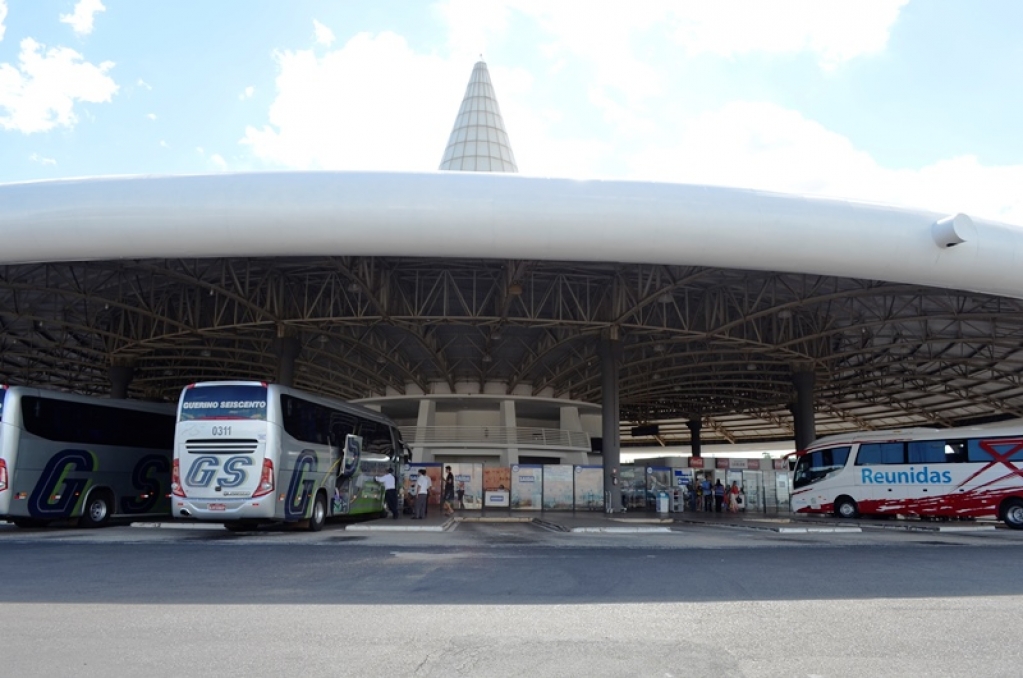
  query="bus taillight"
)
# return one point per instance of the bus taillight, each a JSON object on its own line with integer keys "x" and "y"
{"x": 266, "y": 480}
{"x": 176, "y": 488}
{"x": 3, "y": 475}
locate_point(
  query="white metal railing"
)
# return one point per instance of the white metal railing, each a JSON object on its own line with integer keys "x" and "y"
{"x": 495, "y": 436}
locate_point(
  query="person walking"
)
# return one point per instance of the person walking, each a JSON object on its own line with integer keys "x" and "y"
{"x": 719, "y": 496}
{"x": 449, "y": 492}
{"x": 390, "y": 492}
{"x": 422, "y": 494}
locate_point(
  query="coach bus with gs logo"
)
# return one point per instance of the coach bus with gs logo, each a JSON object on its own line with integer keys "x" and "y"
{"x": 66, "y": 457}
{"x": 956, "y": 473}
{"x": 253, "y": 453}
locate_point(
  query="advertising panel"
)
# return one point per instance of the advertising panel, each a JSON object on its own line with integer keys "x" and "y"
{"x": 633, "y": 484}
{"x": 589, "y": 488}
{"x": 557, "y": 486}
{"x": 468, "y": 485}
{"x": 658, "y": 479}
{"x": 496, "y": 481}
{"x": 527, "y": 487}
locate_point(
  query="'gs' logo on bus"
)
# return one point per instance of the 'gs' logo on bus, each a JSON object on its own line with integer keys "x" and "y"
{"x": 204, "y": 470}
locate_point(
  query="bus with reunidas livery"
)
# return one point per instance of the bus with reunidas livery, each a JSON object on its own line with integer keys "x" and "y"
{"x": 956, "y": 473}
{"x": 65, "y": 457}
{"x": 250, "y": 453}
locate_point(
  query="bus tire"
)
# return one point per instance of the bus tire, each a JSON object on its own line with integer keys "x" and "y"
{"x": 1012, "y": 513}
{"x": 845, "y": 507}
{"x": 319, "y": 515}
{"x": 98, "y": 508}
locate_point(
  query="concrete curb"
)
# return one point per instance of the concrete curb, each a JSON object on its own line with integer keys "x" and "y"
{"x": 636, "y": 529}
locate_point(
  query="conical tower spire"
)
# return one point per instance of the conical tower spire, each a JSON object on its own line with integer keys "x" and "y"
{"x": 478, "y": 142}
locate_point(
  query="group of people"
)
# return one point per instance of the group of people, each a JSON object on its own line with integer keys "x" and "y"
{"x": 718, "y": 498}
{"x": 418, "y": 494}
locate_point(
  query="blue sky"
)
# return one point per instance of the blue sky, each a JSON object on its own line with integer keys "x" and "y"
{"x": 909, "y": 102}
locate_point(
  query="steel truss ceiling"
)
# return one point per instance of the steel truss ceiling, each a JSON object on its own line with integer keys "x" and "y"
{"x": 718, "y": 344}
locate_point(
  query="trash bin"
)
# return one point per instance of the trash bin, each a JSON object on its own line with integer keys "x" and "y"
{"x": 662, "y": 502}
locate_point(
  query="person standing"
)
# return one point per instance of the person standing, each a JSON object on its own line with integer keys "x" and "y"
{"x": 707, "y": 494}
{"x": 390, "y": 492}
{"x": 449, "y": 492}
{"x": 733, "y": 498}
{"x": 719, "y": 496}
{"x": 422, "y": 494}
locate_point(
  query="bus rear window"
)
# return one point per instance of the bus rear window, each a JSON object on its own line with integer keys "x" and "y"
{"x": 223, "y": 402}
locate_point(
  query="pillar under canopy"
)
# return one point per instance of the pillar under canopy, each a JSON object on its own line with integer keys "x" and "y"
{"x": 802, "y": 409}
{"x": 610, "y": 414}
{"x": 695, "y": 424}
{"x": 120, "y": 375}
{"x": 288, "y": 349}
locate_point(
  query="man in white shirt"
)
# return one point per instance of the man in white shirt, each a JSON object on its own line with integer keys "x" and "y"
{"x": 422, "y": 494}
{"x": 390, "y": 494}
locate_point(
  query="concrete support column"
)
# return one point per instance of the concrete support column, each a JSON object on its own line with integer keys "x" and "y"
{"x": 610, "y": 348}
{"x": 288, "y": 348}
{"x": 510, "y": 421}
{"x": 695, "y": 424}
{"x": 427, "y": 417}
{"x": 802, "y": 410}
{"x": 121, "y": 373}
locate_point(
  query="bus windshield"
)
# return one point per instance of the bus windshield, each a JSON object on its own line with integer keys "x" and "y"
{"x": 813, "y": 466}
{"x": 228, "y": 401}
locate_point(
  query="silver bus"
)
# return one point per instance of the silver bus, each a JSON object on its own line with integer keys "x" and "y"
{"x": 66, "y": 457}
{"x": 249, "y": 453}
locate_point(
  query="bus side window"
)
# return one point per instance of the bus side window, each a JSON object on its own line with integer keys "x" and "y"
{"x": 955, "y": 451}
{"x": 927, "y": 452}
{"x": 873, "y": 454}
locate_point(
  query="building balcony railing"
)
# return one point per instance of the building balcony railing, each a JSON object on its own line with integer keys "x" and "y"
{"x": 495, "y": 436}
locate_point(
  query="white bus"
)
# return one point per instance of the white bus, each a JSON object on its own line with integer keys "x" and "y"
{"x": 249, "y": 453}
{"x": 66, "y": 456}
{"x": 940, "y": 473}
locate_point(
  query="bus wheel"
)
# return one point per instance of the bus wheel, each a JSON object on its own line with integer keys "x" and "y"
{"x": 1012, "y": 513}
{"x": 846, "y": 508}
{"x": 319, "y": 515}
{"x": 97, "y": 510}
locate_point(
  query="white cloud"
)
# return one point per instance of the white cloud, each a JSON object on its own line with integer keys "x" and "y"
{"x": 35, "y": 157}
{"x": 82, "y": 16}
{"x": 372, "y": 104}
{"x": 41, "y": 92}
{"x": 764, "y": 146}
{"x": 247, "y": 93}
{"x": 3, "y": 16}
{"x": 323, "y": 35}
{"x": 142, "y": 83}
{"x": 836, "y": 30}
{"x": 151, "y": 116}
{"x": 164, "y": 144}
{"x": 218, "y": 161}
